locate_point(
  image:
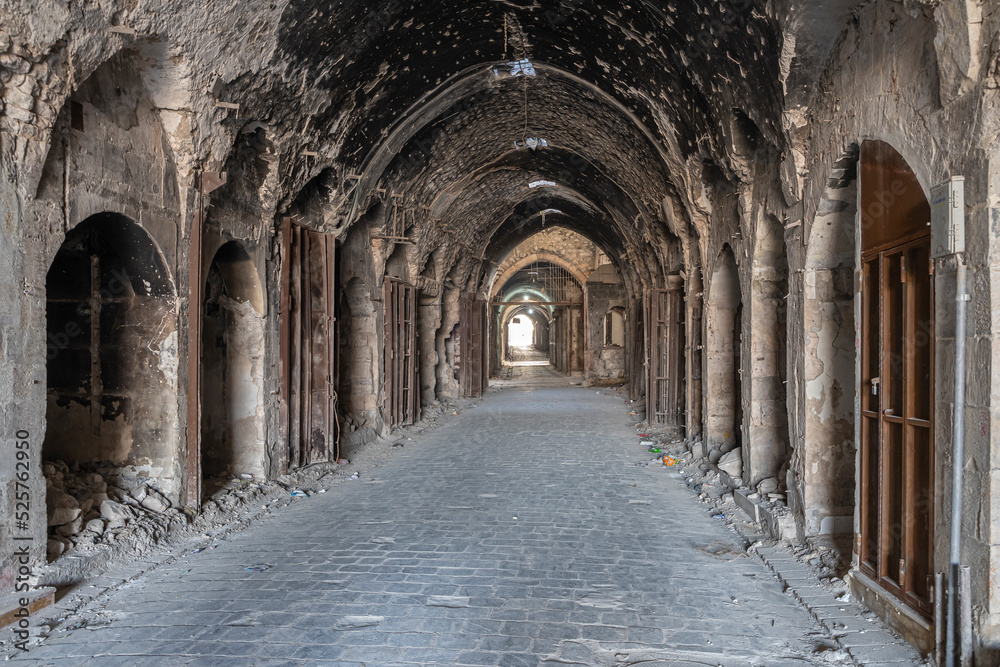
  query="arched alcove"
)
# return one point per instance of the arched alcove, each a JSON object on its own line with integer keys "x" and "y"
{"x": 112, "y": 352}
{"x": 233, "y": 342}
{"x": 614, "y": 327}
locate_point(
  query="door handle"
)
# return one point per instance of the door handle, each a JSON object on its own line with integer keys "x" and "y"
{"x": 889, "y": 412}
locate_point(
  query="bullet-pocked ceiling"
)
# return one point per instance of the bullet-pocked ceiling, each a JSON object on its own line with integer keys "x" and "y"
{"x": 487, "y": 113}
{"x": 693, "y": 59}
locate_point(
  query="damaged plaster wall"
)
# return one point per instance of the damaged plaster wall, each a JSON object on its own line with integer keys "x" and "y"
{"x": 603, "y": 292}
{"x": 109, "y": 154}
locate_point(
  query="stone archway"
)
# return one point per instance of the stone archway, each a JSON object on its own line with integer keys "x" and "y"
{"x": 111, "y": 325}
{"x": 232, "y": 417}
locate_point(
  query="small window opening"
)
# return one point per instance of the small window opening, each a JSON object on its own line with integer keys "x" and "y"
{"x": 614, "y": 328}
{"x": 76, "y": 115}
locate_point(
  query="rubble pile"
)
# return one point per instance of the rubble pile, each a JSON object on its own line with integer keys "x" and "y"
{"x": 86, "y": 506}
{"x": 101, "y": 514}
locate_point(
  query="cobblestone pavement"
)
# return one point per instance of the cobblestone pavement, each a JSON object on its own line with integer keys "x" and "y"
{"x": 520, "y": 533}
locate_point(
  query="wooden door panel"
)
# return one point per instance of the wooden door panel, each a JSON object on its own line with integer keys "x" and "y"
{"x": 402, "y": 380}
{"x": 474, "y": 353}
{"x": 308, "y": 346}
{"x": 665, "y": 366}
{"x": 896, "y": 474}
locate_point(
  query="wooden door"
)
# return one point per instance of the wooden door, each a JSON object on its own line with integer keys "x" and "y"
{"x": 897, "y": 420}
{"x": 894, "y": 540}
{"x": 474, "y": 351}
{"x": 308, "y": 365}
{"x": 635, "y": 349}
{"x": 402, "y": 385}
{"x": 665, "y": 366}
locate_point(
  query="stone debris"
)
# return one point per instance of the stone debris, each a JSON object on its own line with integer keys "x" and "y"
{"x": 63, "y": 515}
{"x": 768, "y": 486}
{"x": 87, "y": 507}
{"x": 355, "y": 622}
{"x": 449, "y": 601}
{"x": 732, "y": 462}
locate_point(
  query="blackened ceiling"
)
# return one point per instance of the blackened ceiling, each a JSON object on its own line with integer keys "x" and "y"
{"x": 695, "y": 58}
{"x": 432, "y": 102}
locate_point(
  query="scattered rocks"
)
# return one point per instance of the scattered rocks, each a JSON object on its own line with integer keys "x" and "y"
{"x": 71, "y": 528}
{"x": 54, "y": 548}
{"x": 154, "y": 504}
{"x": 86, "y": 506}
{"x": 732, "y": 462}
{"x": 155, "y": 501}
{"x": 768, "y": 486}
{"x": 63, "y": 515}
{"x": 113, "y": 511}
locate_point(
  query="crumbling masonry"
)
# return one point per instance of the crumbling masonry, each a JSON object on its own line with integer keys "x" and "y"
{"x": 238, "y": 237}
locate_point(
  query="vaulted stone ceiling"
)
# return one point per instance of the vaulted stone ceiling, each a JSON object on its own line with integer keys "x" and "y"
{"x": 434, "y": 102}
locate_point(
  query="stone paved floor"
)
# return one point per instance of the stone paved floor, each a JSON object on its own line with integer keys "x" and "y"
{"x": 519, "y": 533}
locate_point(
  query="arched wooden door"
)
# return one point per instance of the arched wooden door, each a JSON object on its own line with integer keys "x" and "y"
{"x": 897, "y": 381}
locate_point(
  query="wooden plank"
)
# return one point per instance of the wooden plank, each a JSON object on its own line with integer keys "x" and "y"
{"x": 649, "y": 369}
{"x": 192, "y": 477}
{"x": 284, "y": 324}
{"x": 333, "y": 432}
{"x": 96, "y": 389}
{"x": 387, "y": 356}
{"x": 484, "y": 319}
{"x": 37, "y": 599}
{"x": 412, "y": 357}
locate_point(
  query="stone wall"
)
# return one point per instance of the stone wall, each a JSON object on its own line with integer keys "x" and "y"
{"x": 604, "y": 363}
{"x": 660, "y": 169}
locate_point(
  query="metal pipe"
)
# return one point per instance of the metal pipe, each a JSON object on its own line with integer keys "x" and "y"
{"x": 957, "y": 464}
{"x": 938, "y": 618}
{"x": 965, "y": 645}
